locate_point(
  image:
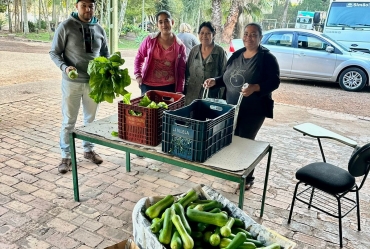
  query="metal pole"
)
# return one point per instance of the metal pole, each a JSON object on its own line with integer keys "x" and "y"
{"x": 142, "y": 16}
{"x": 115, "y": 36}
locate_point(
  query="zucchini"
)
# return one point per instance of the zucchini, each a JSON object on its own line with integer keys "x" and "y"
{"x": 246, "y": 245}
{"x": 272, "y": 246}
{"x": 203, "y": 226}
{"x": 218, "y": 219}
{"x": 187, "y": 240}
{"x": 202, "y": 201}
{"x": 224, "y": 242}
{"x": 239, "y": 223}
{"x": 208, "y": 206}
{"x": 155, "y": 220}
{"x": 237, "y": 241}
{"x": 165, "y": 235}
{"x": 154, "y": 210}
{"x": 206, "y": 236}
{"x": 176, "y": 242}
{"x": 226, "y": 230}
{"x": 156, "y": 226}
{"x": 189, "y": 197}
{"x": 196, "y": 234}
{"x": 179, "y": 210}
{"x": 257, "y": 243}
{"x": 215, "y": 238}
{"x": 235, "y": 230}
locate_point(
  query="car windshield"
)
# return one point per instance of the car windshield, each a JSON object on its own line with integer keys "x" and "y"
{"x": 349, "y": 14}
{"x": 338, "y": 44}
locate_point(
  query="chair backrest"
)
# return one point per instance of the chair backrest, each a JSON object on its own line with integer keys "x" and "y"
{"x": 359, "y": 163}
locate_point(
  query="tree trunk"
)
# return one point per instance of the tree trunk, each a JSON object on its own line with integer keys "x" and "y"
{"x": 25, "y": 19}
{"x": 16, "y": 16}
{"x": 231, "y": 20}
{"x": 10, "y": 18}
{"x": 46, "y": 16}
{"x": 217, "y": 18}
{"x": 285, "y": 13}
{"x": 122, "y": 16}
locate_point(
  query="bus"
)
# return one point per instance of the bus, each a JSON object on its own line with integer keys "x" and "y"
{"x": 348, "y": 22}
{"x": 305, "y": 20}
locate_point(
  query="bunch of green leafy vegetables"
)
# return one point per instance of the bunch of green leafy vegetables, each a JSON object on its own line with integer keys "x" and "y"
{"x": 144, "y": 102}
{"x": 107, "y": 79}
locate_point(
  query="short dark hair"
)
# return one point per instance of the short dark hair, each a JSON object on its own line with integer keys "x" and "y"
{"x": 259, "y": 27}
{"x": 93, "y": 1}
{"x": 208, "y": 25}
{"x": 166, "y": 12}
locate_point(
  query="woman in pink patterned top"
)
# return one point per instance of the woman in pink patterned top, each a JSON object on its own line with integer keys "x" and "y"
{"x": 161, "y": 59}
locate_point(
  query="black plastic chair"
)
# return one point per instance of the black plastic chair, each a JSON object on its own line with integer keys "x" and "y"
{"x": 323, "y": 181}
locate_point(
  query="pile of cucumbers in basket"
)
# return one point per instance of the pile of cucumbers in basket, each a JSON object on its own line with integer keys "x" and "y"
{"x": 193, "y": 223}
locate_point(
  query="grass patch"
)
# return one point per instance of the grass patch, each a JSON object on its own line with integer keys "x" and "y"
{"x": 127, "y": 44}
{"x": 41, "y": 36}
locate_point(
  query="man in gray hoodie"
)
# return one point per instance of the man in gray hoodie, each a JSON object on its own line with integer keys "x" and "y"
{"x": 77, "y": 40}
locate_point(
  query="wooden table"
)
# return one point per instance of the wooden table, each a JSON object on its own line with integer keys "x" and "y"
{"x": 242, "y": 154}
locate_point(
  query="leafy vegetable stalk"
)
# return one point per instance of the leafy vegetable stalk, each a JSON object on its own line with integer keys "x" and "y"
{"x": 107, "y": 79}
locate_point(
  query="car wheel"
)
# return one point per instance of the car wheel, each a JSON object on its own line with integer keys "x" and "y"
{"x": 352, "y": 79}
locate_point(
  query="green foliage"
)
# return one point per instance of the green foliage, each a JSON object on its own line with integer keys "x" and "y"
{"x": 140, "y": 37}
{"x": 107, "y": 79}
{"x": 2, "y": 8}
{"x": 2, "y": 22}
{"x": 31, "y": 26}
{"x": 307, "y": 5}
{"x": 130, "y": 28}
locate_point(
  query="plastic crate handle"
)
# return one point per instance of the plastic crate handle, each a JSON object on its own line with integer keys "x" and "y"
{"x": 237, "y": 106}
{"x": 183, "y": 124}
{"x": 205, "y": 97}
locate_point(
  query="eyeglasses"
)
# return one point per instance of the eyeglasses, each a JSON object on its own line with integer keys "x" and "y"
{"x": 253, "y": 35}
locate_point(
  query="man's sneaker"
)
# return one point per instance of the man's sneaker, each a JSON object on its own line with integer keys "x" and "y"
{"x": 93, "y": 157}
{"x": 65, "y": 165}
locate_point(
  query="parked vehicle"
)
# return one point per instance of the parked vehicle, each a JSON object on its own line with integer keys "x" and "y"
{"x": 305, "y": 20}
{"x": 308, "y": 54}
{"x": 348, "y": 22}
{"x": 148, "y": 26}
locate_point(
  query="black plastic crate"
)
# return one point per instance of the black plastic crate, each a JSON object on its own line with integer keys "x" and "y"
{"x": 197, "y": 131}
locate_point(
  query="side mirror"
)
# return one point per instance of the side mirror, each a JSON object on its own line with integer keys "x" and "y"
{"x": 329, "y": 49}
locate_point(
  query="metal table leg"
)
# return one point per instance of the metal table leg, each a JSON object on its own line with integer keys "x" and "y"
{"x": 74, "y": 166}
{"x": 266, "y": 181}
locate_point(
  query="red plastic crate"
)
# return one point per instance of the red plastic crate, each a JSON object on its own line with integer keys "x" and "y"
{"x": 146, "y": 129}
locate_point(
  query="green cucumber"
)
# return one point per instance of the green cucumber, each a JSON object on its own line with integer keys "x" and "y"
{"x": 156, "y": 209}
{"x": 179, "y": 210}
{"x": 237, "y": 241}
{"x": 226, "y": 230}
{"x": 156, "y": 226}
{"x": 188, "y": 198}
{"x": 215, "y": 238}
{"x": 176, "y": 242}
{"x": 218, "y": 219}
{"x": 187, "y": 240}
{"x": 165, "y": 235}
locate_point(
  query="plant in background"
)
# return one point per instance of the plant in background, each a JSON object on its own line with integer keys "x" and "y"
{"x": 2, "y": 22}
{"x": 107, "y": 79}
{"x": 140, "y": 37}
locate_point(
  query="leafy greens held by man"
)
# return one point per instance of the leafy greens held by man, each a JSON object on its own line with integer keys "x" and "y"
{"x": 107, "y": 79}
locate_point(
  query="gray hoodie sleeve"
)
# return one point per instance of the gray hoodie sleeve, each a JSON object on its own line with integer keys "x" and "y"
{"x": 58, "y": 46}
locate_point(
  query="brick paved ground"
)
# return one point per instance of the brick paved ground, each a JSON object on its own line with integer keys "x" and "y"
{"x": 37, "y": 209}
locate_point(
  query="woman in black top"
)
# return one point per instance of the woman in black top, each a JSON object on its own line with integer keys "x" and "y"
{"x": 255, "y": 65}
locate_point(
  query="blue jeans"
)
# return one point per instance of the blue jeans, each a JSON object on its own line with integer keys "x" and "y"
{"x": 72, "y": 95}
